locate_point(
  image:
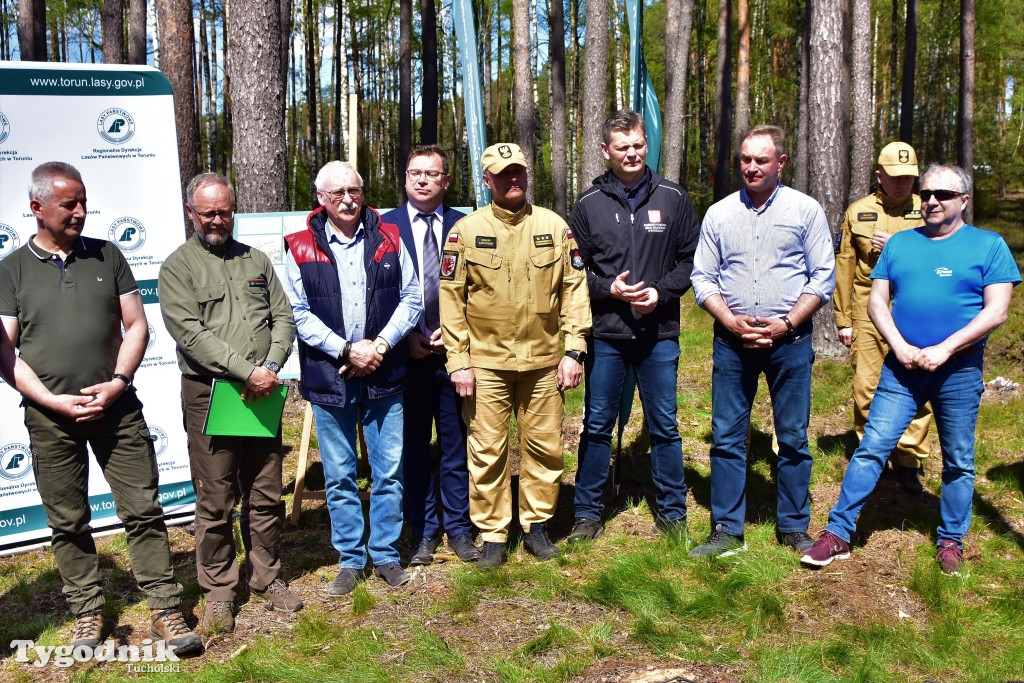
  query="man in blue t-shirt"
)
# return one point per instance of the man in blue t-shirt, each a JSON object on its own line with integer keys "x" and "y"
{"x": 949, "y": 284}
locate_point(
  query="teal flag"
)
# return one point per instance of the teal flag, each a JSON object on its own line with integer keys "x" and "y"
{"x": 642, "y": 96}
{"x": 465, "y": 35}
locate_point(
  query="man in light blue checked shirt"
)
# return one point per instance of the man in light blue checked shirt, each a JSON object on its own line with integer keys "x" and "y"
{"x": 763, "y": 266}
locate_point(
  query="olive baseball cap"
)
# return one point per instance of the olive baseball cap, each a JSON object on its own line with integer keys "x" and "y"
{"x": 898, "y": 159}
{"x": 498, "y": 157}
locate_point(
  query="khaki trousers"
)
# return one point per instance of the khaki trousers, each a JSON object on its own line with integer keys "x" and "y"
{"x": 867, "y": 353}
{"x": 538, "y": 407}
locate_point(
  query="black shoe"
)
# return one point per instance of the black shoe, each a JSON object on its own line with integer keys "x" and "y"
{"x": 393, "y": 573}
{"x": 799, "y": 541}
{"x": 909, "y": 479}
{"x": 586, "y": 530}
{"x": 424, "y": 554}
{"x": 719, "y": 544}
{"x": 538, "y": 544}
{"x": 344, "y": 583}
{"x": 493, "y": 556}
{"x": 676, "y": 529}
{"x": 462, "y": 545}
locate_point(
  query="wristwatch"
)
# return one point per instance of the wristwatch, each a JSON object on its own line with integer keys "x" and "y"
{"x": 381, "y": 347}
{"x": 127, "y": 380}
{"x": 344, "y": 351}
{"x": 789, "y": 325}
{"x": 578, "y": 356}
{"x": 272, "y": 366}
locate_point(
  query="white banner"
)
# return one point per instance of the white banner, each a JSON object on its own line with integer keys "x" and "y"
{"x": 116, "y": 125}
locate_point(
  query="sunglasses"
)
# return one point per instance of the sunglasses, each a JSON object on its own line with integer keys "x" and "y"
{"x": 941, "y": 195}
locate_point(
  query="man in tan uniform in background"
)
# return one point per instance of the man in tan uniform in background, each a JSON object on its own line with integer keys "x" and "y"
{"x": 867, "y": 226}
{"x": 511, "y": 274}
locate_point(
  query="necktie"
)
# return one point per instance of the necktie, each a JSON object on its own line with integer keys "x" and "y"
{"x": 431, "y": 274}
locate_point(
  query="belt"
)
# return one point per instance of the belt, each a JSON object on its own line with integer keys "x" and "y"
{"x": 201, "y": 379}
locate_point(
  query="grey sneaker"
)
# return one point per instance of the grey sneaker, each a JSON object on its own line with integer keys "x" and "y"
{"x": 462, "y": 545}
{"x": 494, "y": 556}
{"x": 586, "y": 530}
{"x": 169, "y": 626}
{"x": 279, "y": 597}
{"x": 538, "y": 544}
{"x": 219, "y": 616}
{"x": 344, "y": 583}
{"x": 90, "y": 629}
{"x": 799, "y": 541}
{"x": 719, "y": 544}
{"x": 950, "y": 557}
{"x": 393, "y": 573}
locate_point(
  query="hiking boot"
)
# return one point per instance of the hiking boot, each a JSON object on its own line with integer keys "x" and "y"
{"x": 344, "y": 583}
{"x": 586, "y": 530}
{"x": 90, "y": 629}
{"x": 950, "y": 557}
{"x": 828, "y": 547}
{"x": 279, "y": 597}
{"x": 909, "y": 479}
{"x": 675, "y": 529}
{"x": 538, "y": 544}
{"x": 393, "y": 573}
{"x": 219, "y": 616}
{"x": 169, "y": 626}
{"x": 719, "y": 544}
{"x": 493, "y": 556}
{"x": 799, "y": 541}
{"x": 424, "y": 554}
{"x": 462, "y": 545}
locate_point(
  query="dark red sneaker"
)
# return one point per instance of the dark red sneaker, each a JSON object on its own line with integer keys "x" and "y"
{"x": 827, "y": 548}
{"x": 950, "y": 557}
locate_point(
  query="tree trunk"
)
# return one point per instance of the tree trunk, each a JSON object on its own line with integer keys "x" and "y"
{"x": 741, "y": 117}
{"x": 429, "y": 92}
{"x": 678, "y": 27}
{"x": 860, "y": 166}
{"x": 522, "y": 90}
{"x": 176, "y": 46}
{"x": 556, "y": 65}
{"x": 257, "y": 96}
{"x": 32, "y": 30}
{"x": 137, "y": 32}
{"x": 112, "y": 22}
{"x": 595, "y": 89}
{"x": 965, "y": 110}
{"x": 404, "y": 91}
{"x": 909, "y": 64}
{"x": 801, "y": 162}
{"x": 723, "y": 112}
{"x": 701, "y": 18}
{"x": 827, "y": 137}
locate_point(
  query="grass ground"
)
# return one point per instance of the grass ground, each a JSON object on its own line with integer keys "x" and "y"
{"x": 633, "y": 606}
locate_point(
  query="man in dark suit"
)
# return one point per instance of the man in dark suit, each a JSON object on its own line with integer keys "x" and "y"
{"x": 424, "y": 223}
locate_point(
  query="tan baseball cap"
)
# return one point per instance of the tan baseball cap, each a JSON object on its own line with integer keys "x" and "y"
{"x": 498, "y": 157}
{"x": 898, "y": 159}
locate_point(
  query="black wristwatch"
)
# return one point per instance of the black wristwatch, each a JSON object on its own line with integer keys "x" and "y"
{"x": 578, "y": 356}
{"x": 124, "y": 378}
{"x": 789, "y": 325}
{"x": 272, "y": 366}
{"x": 344, "y": 351}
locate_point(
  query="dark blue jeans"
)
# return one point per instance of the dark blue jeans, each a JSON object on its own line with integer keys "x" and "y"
{"x": 654, "y": 364}
{"x": 787, "y": 369}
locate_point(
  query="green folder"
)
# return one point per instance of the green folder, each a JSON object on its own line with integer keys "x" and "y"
{"x": 230, "y": 415}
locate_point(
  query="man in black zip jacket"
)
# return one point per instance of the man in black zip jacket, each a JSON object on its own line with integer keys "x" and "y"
{"x": 636, "y": 234}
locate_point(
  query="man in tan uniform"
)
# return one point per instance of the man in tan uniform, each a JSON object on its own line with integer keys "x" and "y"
{"x": 867, "y": 226}
{"x": 511, "y": 274}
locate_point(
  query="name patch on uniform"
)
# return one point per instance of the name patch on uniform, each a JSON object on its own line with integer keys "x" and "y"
{"x": 484, "y": 242}
{"x": 543, "y": 241}
{"x": 867, "y": 216}
{"x": 449, "y": 261}
{"x": 577, "y": 260}
{"x": 913, "y": 214}
{"x": 258, "y": 282}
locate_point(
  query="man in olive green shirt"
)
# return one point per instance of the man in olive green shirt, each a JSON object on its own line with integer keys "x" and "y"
{"x": 231, "y": 319}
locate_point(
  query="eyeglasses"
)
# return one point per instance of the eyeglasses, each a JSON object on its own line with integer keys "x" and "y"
{"x": 208, "y": 216}
{"x": 940, "y": 195}
{"x": 416, "y": 174}
{"x": 335, "y": 195}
